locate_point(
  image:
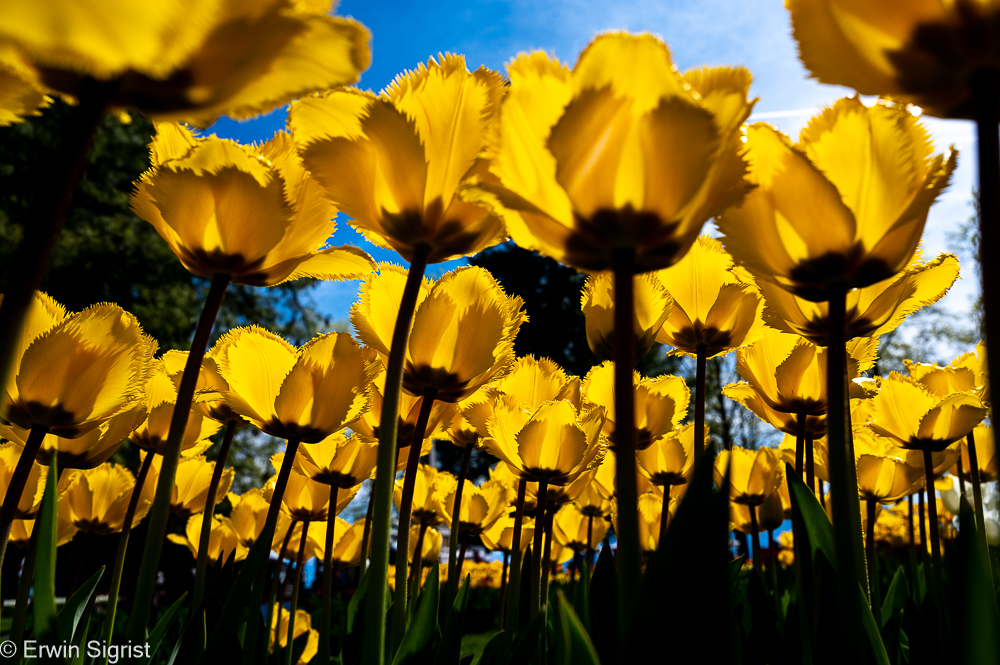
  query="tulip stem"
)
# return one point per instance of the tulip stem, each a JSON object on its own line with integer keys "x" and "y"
{"x": 800, "y": 441}
{"x": 535, "y": 588}
{"x": 871, "y": 506}
{"x": 913, "y": 542}
{"x": 272, "y": 593}
{"x": 385, "y": 470}
{"x": 405, "y": 510}
{"x": 961, "y": 472}
{"x": 15, "y": 488}
{"x": 453, "y": 536}
{"x": 977, "y": 493}
{"x": 701, "y": 366}
{"x": 923, "y": 527}
{"x": 146, "y": 584}
{"x": 547, "y": 555}
{"x": 628, "y": 559}
{"x": 503, "y": 585}
{"x": 664, "y": 513}
{"x": 848, "y": 546}
{"x": 935, "y": 536}
{"x": 772, "y": 566}
{"x": 461, "y": 555}
{"x": 810, "y": 464}
{"x": 510, "y": 620}
{"x": 418, "y": 555}
{"x": 590, "y": 539}
{"x": 327, "y": 618}
{"x": 26, "y": 267}
{"x": 290, "y": 634}
{"x": 116, "y": 574}
{"x": 755, "y": 539}
{"x": 201, "y": 567}
{"x": 24, "y": 589}
{"x": 366, "y": 533}
{"x": 267, "y": 533}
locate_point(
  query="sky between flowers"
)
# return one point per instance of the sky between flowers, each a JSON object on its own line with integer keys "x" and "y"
{"x": 752, "y": 33}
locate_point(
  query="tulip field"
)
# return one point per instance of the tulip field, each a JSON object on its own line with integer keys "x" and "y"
{"x": 619, "y": 527}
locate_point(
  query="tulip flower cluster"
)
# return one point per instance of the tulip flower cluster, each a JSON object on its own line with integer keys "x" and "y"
{"x": 612, "y": 166}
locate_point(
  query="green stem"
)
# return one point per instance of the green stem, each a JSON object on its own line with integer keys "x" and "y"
{"x": 385, "y": 470}
{"x": 772, "y": 567}
{"x": 290, "y": 634}
{"x": 848, "y": 546}
{"x": 755, "y": 539}
{"x": 201, "y": 567}
{"x": 158, "y": 513}
{"x": 923, "y": 526}
{"x": 590, "y": 540}
{"x": 935, "y": 534}
{"x": 366, "y": 533}
{"x": 547, "y": 556}
{"x": 535, "y": 588}
{"x": 810, "y": 464}
{"x": 701, "y": 365}
{"x": 405, "y": 510}
{"x": 664, "y": 515}
{"x": 510, "y": 619}
{"x": 15, "y": 488}
{"x": 272, "y": 593}
{"x": 116, "y": 574}
{"x": 961, "y": 473}
{"x": 417, "y": 571}
{"x": 503, "y": 585}
{"x": 913, "y": 543}
{"x": 24, "y": 588}
{"x": 977, "y": 495}
{"x": 871, "y": 506}
{"x": 628, "y": 558}
{"x": 26, "y": 267}
{"x": 327, "y": 618}
{"x": 800, "y": 441}
{"x": 453, "y": 536}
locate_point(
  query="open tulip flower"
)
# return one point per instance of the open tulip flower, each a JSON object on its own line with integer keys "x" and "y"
{"x": 444, "y": 359}
{"x": 481, "y": 507}
{"x": 534, "y": 381}
{"x": 942, "y": 462}
{"x": 209, "y": 387}
{"x": 250, "y": 212}
{"x": 985, "y": 455}
{"x": 223, "y": 541}
{"x": 347, "y": 539}
{"x": 187, "y": 61}
{"x": 304, "y": 393}
{"x": 867, "y": 172}
{"x": 753, "y": 474}
{"x": 20, "y": 533}
{"x": 367, "y": 426}
{"x": 338, "y": 460}
{"x": 716, "y": 308}
{"x": 161, "y": 396}
{"x": 670, "y": 460}
{"x": 660, "y": 402}
{"x": 301, "y": 626}
{"x": 767, "y": 516}
{"x": 396, "y": 162}
{"x": 592, "y": 501}
{"x": 500, "y": 536}
{"x": 22, "y": 95}
{"x": 652, "y": 307}
{"x": 98, "y": 499}
{"x": 963, "y": 375}
{"x": 191, "y": 484}
{"x": 34, "y": 486}
{"x": 305, "y": 499}
{"x": 430, "y": 549}
{"x": 650, "y": 522}
{"x": 573, "y": 529}
{"x": 871, "y": 311}
{"x": 247, "y": 514}
{"x": 431, "y": 489}
{"x": 885, "y": 475}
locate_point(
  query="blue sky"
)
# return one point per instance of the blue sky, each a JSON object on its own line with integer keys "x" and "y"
{"x": 752, "y": 33}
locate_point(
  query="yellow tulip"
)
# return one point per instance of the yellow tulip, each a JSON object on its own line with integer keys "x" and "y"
{"x": 180, "y": 60}
{"x": 500, "y": 536}
{"x": 223, "y": 540}
{"x": 250, "y": 212}
{"x": 207, "y": 400}
{"x": 768, "y": 516}
{"x": 20, "y": 94}
{"x": 716, "y": 308}
{"x": 346, "y": 543}
{"x": 462, "y": 335}
{"x": 985, "y": 454}
{"x": 927, "y": 53}
{"x": 660, "y": 403}
{"x": 305, "y": 499}
{"x": 20, "y": 533}
{"x": 367, "y": 426}
{"x": 620, "y": 153}
{"x": 396, "y": 162}
{"x": 430, "y": 490}
{"x": 337, "y": 460}
{"x": 557, "y": 495}
{"x": 958, "y": 377}
{"x": 469, "y": 418}
{"x": 842, "y": 209}
{"x": 34, "y": 486}
{"x": 670, "y": 459}
{"x": 650, "y": 510}
{"x": 882, "y": 475}
{"x": 247, "y": 516}
{"x": 554, "y": 444}
{"x": 592, "y": 501}
{"x": 430, "y": 550}
{"x": 291, "y": 537}
{"x": 481, "y": 506}
{"x": 909, "y": 413}
{"x": 942, "y": 461}
{"x": 304, "y": 393}
{"x": 97, "y": 499}
{"x": 871, "y": 311}
{"x": 821, "y": 455}
{"x": 72, "y": 372}
{"x": 190, "y": 493}
{"x": 570, "y": 526}
{"x": 605, "y": 478}
{"x": 302, "y": 626}
{"x": 753, "y": 474}
{"x": 652, "y": 307}
{"x": 161, "y": 395}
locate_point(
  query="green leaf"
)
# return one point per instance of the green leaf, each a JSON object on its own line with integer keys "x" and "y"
{"x": 572, "y": 646}
{"x": 526, "y": 644}
{"x": 354, "y": 626}
{"x": 870, "y": 629}
{"x": 416, "y": 644}
{"x": 160, "y": 629}
{"x": 735, "y": 566}
{"x": 816, "y": 532}
{"x": 896, "y": 596}
{"x": 493, "y": 652}
{"x": 978, "y": 624}
{"x": 69, "y": 616}
{"x": 581, "y": 596}
{"x": 46, "y": 624}
{"x": 604, "y": 606}
{"x": 450, "y": 649}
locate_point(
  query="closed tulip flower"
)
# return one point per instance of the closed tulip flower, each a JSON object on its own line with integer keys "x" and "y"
{"x": 250, "y": 212}
{"x": 650, "y": 512}
{"x": 34, "y": 486}
{"x": 301, "y": 626}
{"x": 97, "y": 499}
{"x": 884, "y": 475}
{"x": 191, "y": 484}
{"x": 481, "y": 507}
{"x": 430, "y": 549}
{"x": 430, "y": 490}
{"x": 652, "y": 307}
{"x": 346, "y": 550}
{"x": 305, "y": 499}
{"x": 753, "y": 474}
{"x": 338, "y": 460}
{"x": 223, "y": 541}
{"x": 985, "y": 454}
{"x": 424, "y": 136}
{"x": 670, "y": 460}
{"x": 660, "y": 402}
